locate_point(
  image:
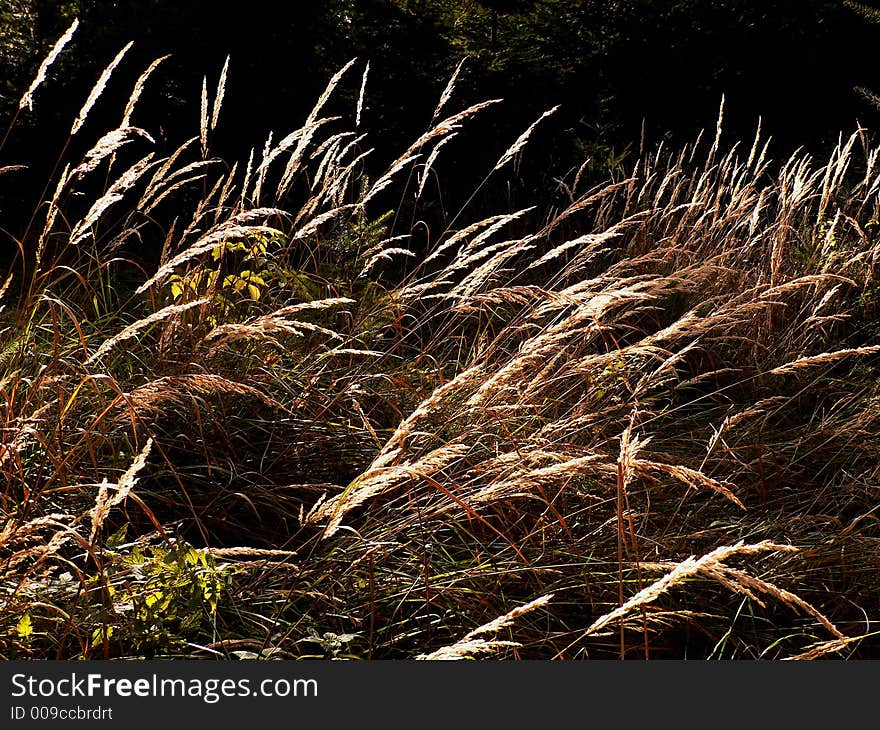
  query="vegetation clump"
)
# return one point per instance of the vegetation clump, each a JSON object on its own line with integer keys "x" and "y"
{"x": 247, "y": 411}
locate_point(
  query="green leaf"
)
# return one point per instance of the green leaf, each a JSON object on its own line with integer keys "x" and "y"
{"x": 117, "y": 538}
{"x": 99, "y": 634}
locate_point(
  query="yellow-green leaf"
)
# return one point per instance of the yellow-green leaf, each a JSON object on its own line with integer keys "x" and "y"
{"x": 117, "y": 538}
{"x": 25, "y": 627}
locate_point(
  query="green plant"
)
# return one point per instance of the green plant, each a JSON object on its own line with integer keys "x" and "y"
{"x": 158, "y": 596}
{"x": 244, "y": 271}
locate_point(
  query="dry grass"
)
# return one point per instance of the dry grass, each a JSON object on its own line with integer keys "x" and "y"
{"x": 376, "y": 447}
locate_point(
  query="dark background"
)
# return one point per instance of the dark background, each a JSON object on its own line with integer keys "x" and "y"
{"x": 614, "y": 67}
